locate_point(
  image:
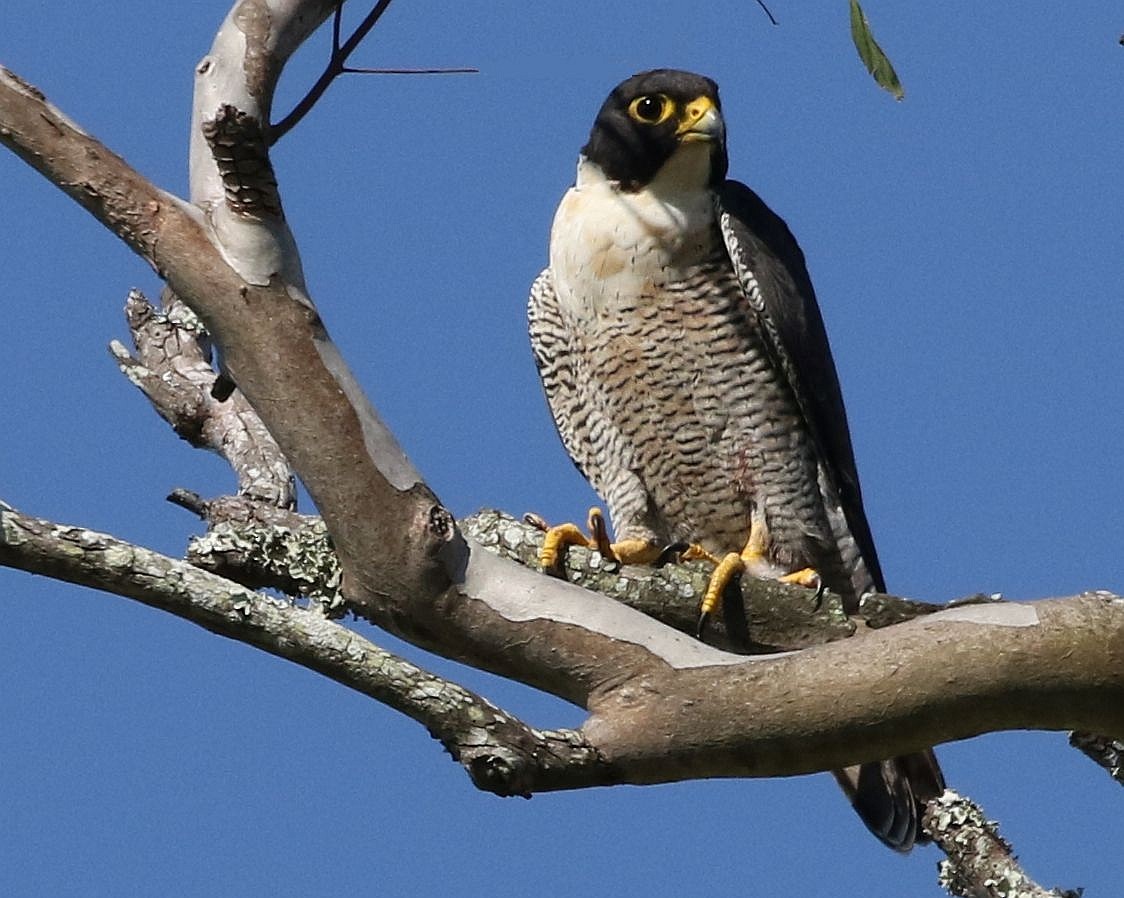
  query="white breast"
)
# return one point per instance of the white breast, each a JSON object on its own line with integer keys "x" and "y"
{"x": 610, "y": 248}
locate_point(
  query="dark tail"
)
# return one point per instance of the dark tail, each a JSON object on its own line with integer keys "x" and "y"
{"x": 891, "y": 795}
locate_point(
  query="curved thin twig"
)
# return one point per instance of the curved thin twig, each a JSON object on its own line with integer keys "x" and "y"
{"x": 337, "y": 65}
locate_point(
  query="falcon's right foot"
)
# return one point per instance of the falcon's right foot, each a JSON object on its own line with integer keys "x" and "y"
{"x": 752, "y": 557}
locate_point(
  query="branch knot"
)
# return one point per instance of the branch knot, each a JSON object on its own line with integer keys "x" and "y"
{"x": 441, "y": 524}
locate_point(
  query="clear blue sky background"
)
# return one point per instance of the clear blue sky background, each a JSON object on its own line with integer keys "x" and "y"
{"x": 967, "y": 249}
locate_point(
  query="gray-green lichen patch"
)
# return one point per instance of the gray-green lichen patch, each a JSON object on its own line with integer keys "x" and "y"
{"x": 296, "y": 561}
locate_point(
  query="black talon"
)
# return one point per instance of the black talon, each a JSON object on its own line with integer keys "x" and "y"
{"x": 223, "y": 387}
{"x": 671, "y": 553}
{"x": 536, "y": 521}
{"x": 700, "y": 627}
{"x": 821, "y": 591}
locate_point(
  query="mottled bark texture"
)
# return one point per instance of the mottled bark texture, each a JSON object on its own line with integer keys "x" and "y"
{"x": 980, "y": 862}
{"x": 172, "y": 367}
{"x": 662, "y": 706}
{"x": 500, "y": 753}
{"x": 1108, "y": 753}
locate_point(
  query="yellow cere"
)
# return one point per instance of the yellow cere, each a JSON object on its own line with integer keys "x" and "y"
{"x": 694, "y": 111}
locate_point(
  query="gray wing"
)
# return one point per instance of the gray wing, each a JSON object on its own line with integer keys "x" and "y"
{"x": 773, "y": 275}
{"x": 890, "y": 796}
{"x": 558, "y": 364}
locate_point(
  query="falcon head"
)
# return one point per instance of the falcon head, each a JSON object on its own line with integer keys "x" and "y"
{"x": 654, "y": 117}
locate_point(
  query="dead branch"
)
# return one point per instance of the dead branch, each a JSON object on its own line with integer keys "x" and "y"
{"x": 172, "y": 367}
{"x": 980, "y": 862}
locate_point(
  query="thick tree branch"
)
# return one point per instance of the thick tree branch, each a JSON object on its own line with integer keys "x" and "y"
{"x": 49, "y": 549}
{"x": 500, "y": 753}
{"x": 295, "y": 556}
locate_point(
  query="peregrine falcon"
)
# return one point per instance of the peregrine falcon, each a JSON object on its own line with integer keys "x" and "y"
{"x": 686, "y": 365}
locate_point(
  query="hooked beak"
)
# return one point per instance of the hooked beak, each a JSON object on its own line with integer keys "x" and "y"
{"x": 700, "y": 120}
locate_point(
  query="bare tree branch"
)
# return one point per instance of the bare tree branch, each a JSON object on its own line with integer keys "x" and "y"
{"x": 980, "y": 862}
{"x": 172, "y": 368}
{"x": 49, "y": 549}
{"x": 500, "y": 753}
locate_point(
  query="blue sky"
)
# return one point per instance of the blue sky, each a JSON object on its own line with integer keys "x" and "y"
{"x": 967, "y": 249}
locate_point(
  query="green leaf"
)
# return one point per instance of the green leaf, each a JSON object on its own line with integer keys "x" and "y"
{"x": 876, "y": 62}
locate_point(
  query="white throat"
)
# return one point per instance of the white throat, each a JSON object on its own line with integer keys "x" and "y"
{"x": 609, "y": 246}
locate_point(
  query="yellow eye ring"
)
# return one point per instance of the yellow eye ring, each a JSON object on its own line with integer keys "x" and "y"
{"x": 651, "y": 109}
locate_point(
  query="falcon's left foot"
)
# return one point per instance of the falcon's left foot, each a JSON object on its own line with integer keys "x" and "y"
{"x": 729, "y": 568}
{"x": 558, "y": 539}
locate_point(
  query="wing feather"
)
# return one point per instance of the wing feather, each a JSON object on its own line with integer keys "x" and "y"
{"x": 557, "y": 364}
{"x": 771, "y": 268}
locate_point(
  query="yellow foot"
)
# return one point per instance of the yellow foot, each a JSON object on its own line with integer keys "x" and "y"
{"x": 695, "y": 552}
{"x": 727, "y": 570}
{"x": 555, "y": 542}
{"x": 806, "y": 577}
{"x": 733, "y": 565}
{"x": 558, "y": 539}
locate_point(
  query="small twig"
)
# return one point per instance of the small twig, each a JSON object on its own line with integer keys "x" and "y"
{"x": 767, "y": 12}
{"x": 345, "y": 49}
{"x": 451, "y": 71}
{"x": 193, "y": 502}
{"x": 337, "y": 65}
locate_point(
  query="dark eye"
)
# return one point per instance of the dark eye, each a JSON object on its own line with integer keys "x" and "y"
{"x": 651, "y": 109}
